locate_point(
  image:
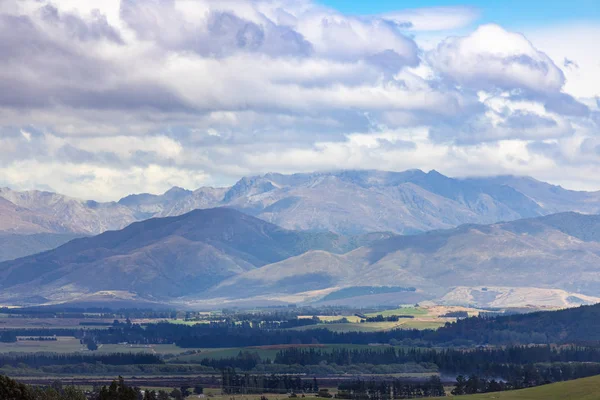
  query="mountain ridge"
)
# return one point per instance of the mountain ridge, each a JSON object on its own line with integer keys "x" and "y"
{"x": 347, "y": 202}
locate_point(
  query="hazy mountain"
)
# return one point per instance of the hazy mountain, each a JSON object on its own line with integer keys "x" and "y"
{"x": 202, "y": 198}
{"x": 354, "y": 202}
{"x": 65, "y": 214}
{"x": 16, "y": 246}
{"x": 222, "y": 255}
{"x": 20, "y": 220}
{"x": 147, "y": 205}
{"x": 164, "y": 257}
{"x": 552, "y": 198}
{"x": 560, "y": 251}
{"x": 345, "y": 202}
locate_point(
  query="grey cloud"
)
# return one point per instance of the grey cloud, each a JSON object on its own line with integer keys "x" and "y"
{"x": 226, "y": 33}
{"x": 71, "y": 154}
{"x": 551, "y": 150}
{"x": 391, "y": 62}
{"x": 396, "y": 145}
{"x": 515, "y": 125}
{"x": 229, "y": 33}
{"x": 36, "y": 71}
{"x": 570, "y": 64}
{"x": 76, "y": 27}
{"x": 565, "y": 104}
{"x": 521, "y": 121}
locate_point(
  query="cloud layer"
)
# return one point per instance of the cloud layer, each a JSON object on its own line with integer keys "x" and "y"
{"x": 142, "y": 95}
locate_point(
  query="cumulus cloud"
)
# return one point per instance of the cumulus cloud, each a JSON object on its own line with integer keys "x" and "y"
{"x": 105, "y": 99}
{"x": 492, "y": 57}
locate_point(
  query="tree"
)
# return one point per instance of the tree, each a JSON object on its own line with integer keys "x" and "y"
{"x": 176, "y": 394}
{"x": 13, "y": 390}
{"x": 459, "y": 386}
{"x": 185, "y": 391}
{"x": 8, "y": 337}
{"x": 92, "y": 346}
{"x": 198, "y": 389}
{"x": 150, "y": 395}
{"x": 162, "y": 395}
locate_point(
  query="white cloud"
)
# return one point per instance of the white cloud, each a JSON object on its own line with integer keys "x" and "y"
{"x": 492, "y": 57}
{"x": 434, "y": 18}
{"x": 577, "y": 42}
{"x": 141, "y": 95}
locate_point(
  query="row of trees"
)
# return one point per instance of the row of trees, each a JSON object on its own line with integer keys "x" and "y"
{"x": 117, "y": 390}
{"x": 37, "y": 360}
{"x": 388, "y": 390}
{"x": 448, "y": 360}
{"x": 234, "y": 383}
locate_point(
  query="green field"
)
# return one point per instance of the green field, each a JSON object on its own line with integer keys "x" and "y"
{"x": 354, "y": 327}
{"x": 72, "y": 345}
{"x": 580, "y": 389}
{"x": 263, "y": 351}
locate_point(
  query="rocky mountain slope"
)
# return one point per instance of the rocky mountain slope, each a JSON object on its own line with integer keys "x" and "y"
{"x": 351, "y": 202}
{"x": 560, "y": 251}
{"x": 164, "y": 258}
{"x": 20, "y": 220}
{"x": 345, "y": 202}
{"x": 65, "y": 214}
{"x": 222, "y": 255}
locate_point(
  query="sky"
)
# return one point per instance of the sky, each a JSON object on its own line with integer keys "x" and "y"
{"x": 102, "y": 99}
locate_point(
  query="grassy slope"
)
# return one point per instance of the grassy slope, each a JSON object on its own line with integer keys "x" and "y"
{"x": 580, "y": 389}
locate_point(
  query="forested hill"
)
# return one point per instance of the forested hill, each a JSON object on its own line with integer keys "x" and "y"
{"x": 573, "y": 325}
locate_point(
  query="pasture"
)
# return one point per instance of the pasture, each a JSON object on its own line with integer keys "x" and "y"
{"x": 579, "y": 389}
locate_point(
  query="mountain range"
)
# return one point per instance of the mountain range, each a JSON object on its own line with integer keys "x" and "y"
{"x": 165, "y": 258}
{"x": 309, "y": 238}
{"x": 221, "y": 256}
{"x": 344, "y": 202}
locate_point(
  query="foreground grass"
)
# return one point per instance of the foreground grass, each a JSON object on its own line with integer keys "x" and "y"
{"x": 579, "y": 389}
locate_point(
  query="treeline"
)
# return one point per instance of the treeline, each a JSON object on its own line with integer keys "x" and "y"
{"x": 244, "y": 361}
{"x": 91, "y": 312}
{"x": 448, "y": 360}
{"x": 511, "y": 364}
{"x": 566, "y": 326}
{"x": 234, "y": 383}
{"x": 117, "y": 390}
{"x": 522, "y": 377}
{"x": 387, "y": 390}
{"x": 13, "y": 390}
{"x": 389, "y": 318}
{"x": 37, "y": 360}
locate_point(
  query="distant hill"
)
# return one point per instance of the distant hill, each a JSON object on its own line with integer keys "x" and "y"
{"x": 578, "y": 325}
{"x": 164, "y": 258}
{"x": 221, "y": 255}
{"x": 560, "y": 251}
{"x": 16, "y": 246}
